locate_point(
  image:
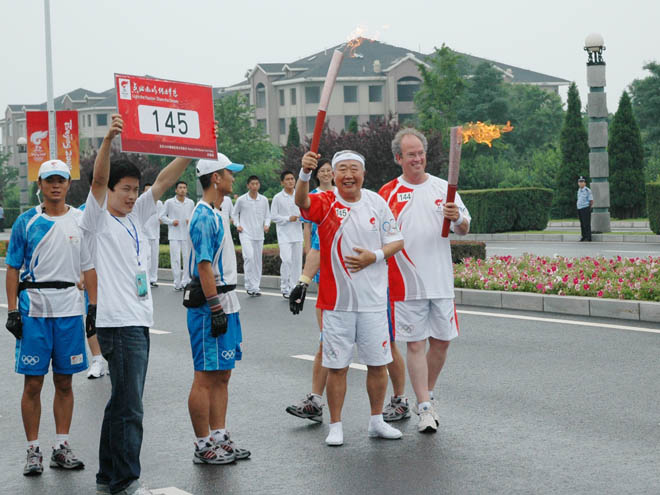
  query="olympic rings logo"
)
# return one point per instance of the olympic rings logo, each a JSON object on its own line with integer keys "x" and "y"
{"x": 406, "y": 329}
{"x": 227, "y": 354}
{"x": 30, "y": 360}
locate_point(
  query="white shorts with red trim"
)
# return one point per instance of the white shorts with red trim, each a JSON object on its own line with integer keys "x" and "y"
{"x": 420, "y": 319}
{"x": 343, "y": 329}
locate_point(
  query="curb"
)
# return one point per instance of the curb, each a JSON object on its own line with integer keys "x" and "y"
{"x": 523, "y": 301}
{"x": 625, "y": 224}
{"x": 638, "y": 238}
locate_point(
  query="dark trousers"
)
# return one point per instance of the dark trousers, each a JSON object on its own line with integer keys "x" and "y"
{"x": 584, "y": 214}
{"x": 127, "y": 351}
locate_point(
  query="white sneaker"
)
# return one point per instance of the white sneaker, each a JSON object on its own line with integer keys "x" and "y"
{"x": 335, "y": 436}
{"x": 427, "y": 422}
{"x": 383, "y": 430}
{"x": 434, "y": 412}
{"x": 96, "y": 369}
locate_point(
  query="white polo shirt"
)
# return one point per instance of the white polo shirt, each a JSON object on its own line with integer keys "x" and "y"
{"x": 252, "y": 215}
{"x": 174, "y": 209}
{"x": 282, "y": 208}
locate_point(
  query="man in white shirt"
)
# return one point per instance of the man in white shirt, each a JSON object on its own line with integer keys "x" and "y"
{"x": 152, "y": 234}
{"x": 115, "y": 218}
{"x": 357, "y": 232}
{"x": 226, "y": 208}
{"x": 421, "y": 276}
{"x": 286, "y": 216}
{"x": 45, "y": 309}
{"x": 251, "y": 216}
{"x": 176, "y": 214}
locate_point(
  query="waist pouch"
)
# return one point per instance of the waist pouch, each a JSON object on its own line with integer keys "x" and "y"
{"x": 44, "y": 285}
{"x": 193, "y": 295}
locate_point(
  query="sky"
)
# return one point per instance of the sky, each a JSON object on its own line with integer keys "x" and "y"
{"x": 216, "y": 42}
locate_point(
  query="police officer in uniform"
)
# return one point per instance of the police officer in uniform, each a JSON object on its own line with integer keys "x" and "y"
{"x": 585, "y": 201}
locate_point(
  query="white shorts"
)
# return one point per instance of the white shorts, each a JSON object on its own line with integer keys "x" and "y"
{"x": 343, "y": 329}
{"x": 418, "y": 320}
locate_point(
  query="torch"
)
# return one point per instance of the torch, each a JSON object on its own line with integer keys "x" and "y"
{"x": 456, "y": 142}
{"x": 330, "y": 78}
{"x": 479, "y": 132}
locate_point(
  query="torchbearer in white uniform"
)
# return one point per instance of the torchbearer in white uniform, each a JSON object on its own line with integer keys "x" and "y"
{"x": 286, "y": 216}
{"x": 251, "y": 215}
{"x": 176, "y": 214}
{"x": 357, "y": 232}
{"x": 152, "y": 234}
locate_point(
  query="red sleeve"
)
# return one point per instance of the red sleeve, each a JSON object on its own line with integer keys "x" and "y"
{"x": 319, "y": 205}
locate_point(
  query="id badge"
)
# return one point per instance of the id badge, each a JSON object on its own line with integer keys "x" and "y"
{"x": 141, "y": 285}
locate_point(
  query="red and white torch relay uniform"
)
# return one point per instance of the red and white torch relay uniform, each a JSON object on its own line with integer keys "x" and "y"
{"x": 354, "y": 304}
{"x": 421, "y": 275}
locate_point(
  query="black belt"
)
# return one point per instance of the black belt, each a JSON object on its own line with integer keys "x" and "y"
{"x": 223, "y": 289}
{"x": 44, "y": 285}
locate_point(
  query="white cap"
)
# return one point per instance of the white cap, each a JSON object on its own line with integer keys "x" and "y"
{"x": 54, "y": 167}
{"x": 207, "y": 166}
{"x": 344, "y": 155}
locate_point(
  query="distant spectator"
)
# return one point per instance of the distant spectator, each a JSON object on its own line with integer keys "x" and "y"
{"x": 585, "y": 201}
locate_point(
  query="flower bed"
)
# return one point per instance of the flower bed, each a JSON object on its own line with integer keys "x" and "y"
{"x": 617, "y": 278}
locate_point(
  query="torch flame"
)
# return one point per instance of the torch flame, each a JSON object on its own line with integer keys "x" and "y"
{"x": 484, "y": 133}
{"x": 352, "y": 45}
{"x": 359, "y": 35}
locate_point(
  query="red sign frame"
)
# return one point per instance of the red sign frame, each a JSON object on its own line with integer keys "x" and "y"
{"x": 163, "y": 117}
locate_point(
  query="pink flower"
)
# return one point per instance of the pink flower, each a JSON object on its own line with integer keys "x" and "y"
{"x": 539, "y": 286}
{"x": 600, "y": 293}
{"x": 586, "y": 286}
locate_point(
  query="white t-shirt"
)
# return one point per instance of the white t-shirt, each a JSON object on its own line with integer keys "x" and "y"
{"x": 342, "y": 226}
{"x": 252, "y": 215}
{"x": 116, "y": 241}
{"x": 152, "y": 226}
{"x": 226, "y": 207}
{"x": 51, "y": 249}
{"x": 173, "y": 209}
{"x": 423, "y": 269}
{"x": 282, "y": 208}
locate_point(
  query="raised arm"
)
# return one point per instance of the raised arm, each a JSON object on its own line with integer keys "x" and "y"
{"x": 102, "y": 162}
{"x": 309, "y": 163}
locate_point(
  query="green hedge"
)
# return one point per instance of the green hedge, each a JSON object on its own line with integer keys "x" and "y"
{"x": 271, "y": 256}
{"x": 507, "y": 210}
{"x": 653, "y": 205}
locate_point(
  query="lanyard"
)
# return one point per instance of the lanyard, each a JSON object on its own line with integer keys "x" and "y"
{"x": 134, "y": 237}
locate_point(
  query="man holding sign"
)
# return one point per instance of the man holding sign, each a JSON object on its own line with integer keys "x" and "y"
{"x": 421, "y": 276}
{"x": 114, "y": 219}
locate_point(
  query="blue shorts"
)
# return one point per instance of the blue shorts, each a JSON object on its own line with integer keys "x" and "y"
{"x": 60, "y": 339}
{"x": 209, "y": 353}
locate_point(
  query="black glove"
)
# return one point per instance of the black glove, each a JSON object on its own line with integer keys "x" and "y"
{"x": 218, "y": 323}
{"x": 90, "y": 321}
{"x": 14, "y": 323}
{"x": 297, "y": 297}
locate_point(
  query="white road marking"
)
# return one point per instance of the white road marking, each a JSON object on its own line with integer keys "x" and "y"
{"x": 169, "y": 491}
{"x": 560, "y": 321}
{"x": 307, "y": 357}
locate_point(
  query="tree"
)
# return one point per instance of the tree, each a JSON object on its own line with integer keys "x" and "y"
{"x": 645, "y": 94}
{"x": 294, "y": 135}
{"x": 244, "y": 143}
{"x": 442, "y": 85}
{"x": 7, "y": 175}
{"x": 574, "y": 147}
{"x": 626, "y": 155}
{"x": 485, "y": 97}
{"x": 353, "y": 126}
{"x": 536, "y": 116}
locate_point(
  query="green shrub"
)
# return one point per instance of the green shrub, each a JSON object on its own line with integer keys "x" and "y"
{"x": 467, "y": 249}
{"x": 653, "y": 205}
{"x": 506, "y": 210}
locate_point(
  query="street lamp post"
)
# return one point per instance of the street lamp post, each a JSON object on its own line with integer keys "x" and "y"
{"x": 22, "y": 173}
{"x": 599, "y": 172}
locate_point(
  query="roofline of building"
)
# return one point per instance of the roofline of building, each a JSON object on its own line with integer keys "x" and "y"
{"x": 322, "y": 79}
{"x": 408, "y": 56}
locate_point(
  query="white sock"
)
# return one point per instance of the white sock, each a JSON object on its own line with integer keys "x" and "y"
{"x": 33, "y": 443}
{"x": 375, "y": 419}
{"x": 61, "y": 439}
{"x": 219, "y": 434}
{"x": 96, "y": 359}
{"x": 431, "y": 396}
{"x": 202, "y": 441}
{"x": 316, "y": 398}
{"x": 424, "y": 405}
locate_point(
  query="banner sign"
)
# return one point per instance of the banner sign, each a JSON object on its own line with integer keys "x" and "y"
{"x": 68, "y": 149}
{"x": 166, "y": 117}
{"x": 38, "y": 150}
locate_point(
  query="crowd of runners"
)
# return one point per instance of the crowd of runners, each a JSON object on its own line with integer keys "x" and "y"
{"x": 384, "y": 275}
